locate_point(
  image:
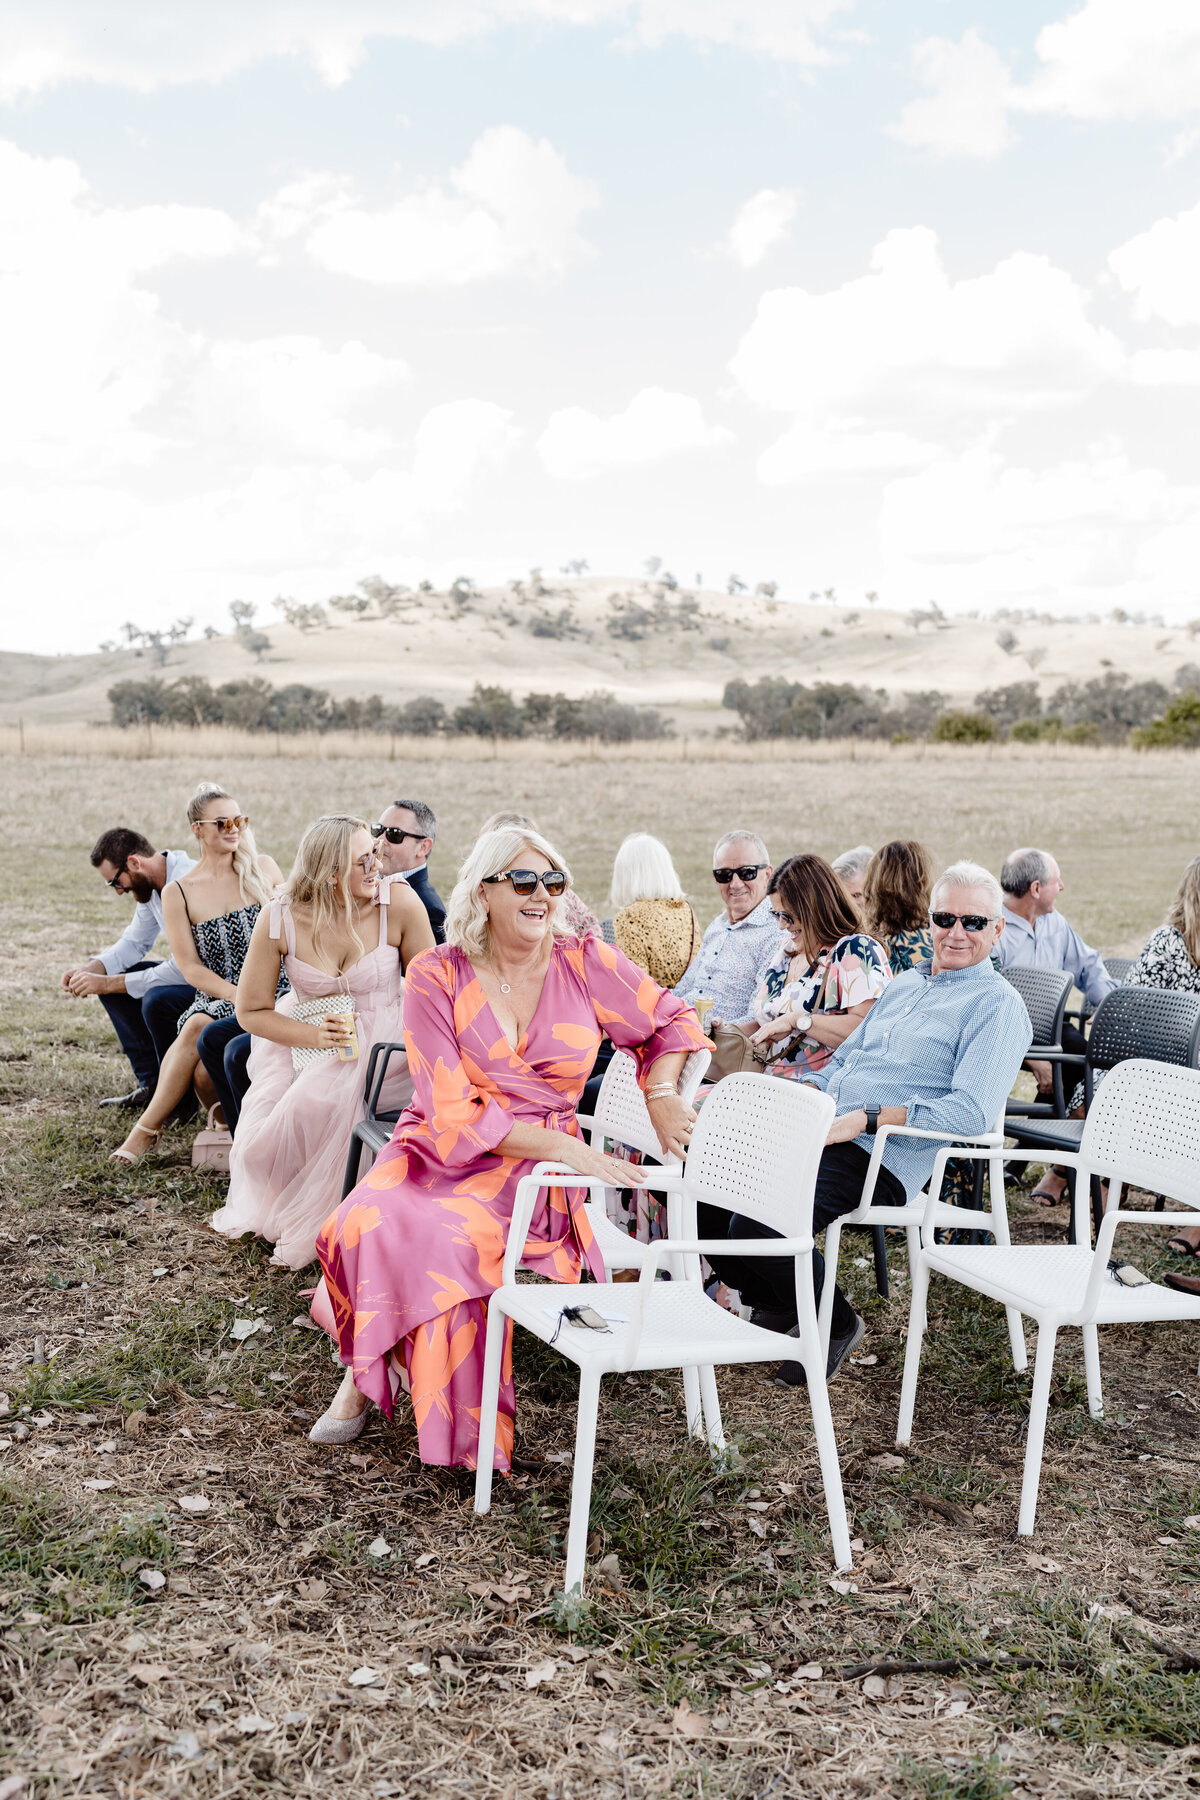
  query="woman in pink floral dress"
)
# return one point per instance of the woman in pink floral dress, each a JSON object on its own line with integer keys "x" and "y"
{"x": 502, "y": 1023}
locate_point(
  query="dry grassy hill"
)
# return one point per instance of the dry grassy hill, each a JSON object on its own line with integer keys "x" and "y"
{"x": 676, "y": 649}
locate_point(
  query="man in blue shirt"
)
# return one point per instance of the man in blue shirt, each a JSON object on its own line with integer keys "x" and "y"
{"x": 939, "y": 1050}
{"x": 743, "y": 941}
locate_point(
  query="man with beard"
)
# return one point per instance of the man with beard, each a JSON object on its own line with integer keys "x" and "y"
{"x": 143, "y": 997}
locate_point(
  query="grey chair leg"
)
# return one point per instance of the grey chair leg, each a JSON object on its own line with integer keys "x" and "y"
{"x": 353, "y": 1163}
{"x": 881, "y": 1268}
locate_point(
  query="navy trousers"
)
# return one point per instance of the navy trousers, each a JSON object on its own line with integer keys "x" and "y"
{"x": 224, "y": 1048}
{"x": 769, "y": 1281}
{"x": 146, "y": 1027}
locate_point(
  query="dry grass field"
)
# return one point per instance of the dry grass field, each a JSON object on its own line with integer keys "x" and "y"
{"x": 341, "y": 1623}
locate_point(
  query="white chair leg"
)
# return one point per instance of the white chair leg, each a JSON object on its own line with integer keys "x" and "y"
{"x": 492, "y": 1354}
{"x": 833, "y": 1244}
{"x": 581, "y": 1480}
{"x": 1039, "y": 1403}
{"x": 1091, "y": 1363}
{"x": 813, "y": 1355}
{"x": 712, "y": 1409}
{"x": 912, "y": 1352}
{"x": 1016, "y": 1337}
{"x": 693, "y": 1405}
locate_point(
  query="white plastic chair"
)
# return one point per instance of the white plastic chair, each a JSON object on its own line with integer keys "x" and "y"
{"x": 1143, "y": 1129}
{"x": 754, "y": 1151}
{"x": 910, "y": 1216}
{"x": 621, "y": 1117}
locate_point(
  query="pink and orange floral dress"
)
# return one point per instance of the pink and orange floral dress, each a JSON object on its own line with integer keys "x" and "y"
{"x": 411, "y": 1256}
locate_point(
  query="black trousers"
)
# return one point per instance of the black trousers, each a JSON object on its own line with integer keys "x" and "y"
{"x": 769, "y": 1281}
{"x": 224, "y": 1048}
{"x": 146, "y": 1027}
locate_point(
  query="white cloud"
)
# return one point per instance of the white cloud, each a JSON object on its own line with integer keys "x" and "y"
{"x": 804, "y": 452}
{"x": 1161, "y": 268}
{"x": 514, "y": 209}
{"x": 656, "y": 424}
{"x": 760, "y": 222}
{"x": 907, "y": 353}
{"x": 61, "y": 41}
{"x": 966, "y": 110}
{"x": 260, "y": 395}
{"x": 1119, "y": 59}
{"x": 456, "y": 443}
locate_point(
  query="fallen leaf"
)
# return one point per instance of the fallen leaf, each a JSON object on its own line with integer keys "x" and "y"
{"x": 885, "y": 1461}
{"x": 418, "y": 1669}
{"x": 152, "y": 1579}
{"x": 186, "y": 1746}
{"x": 423, "y": 1562}
{"x": 193, "y": 1503}
{"x": 312, "y": 1590}
{"x": 241, "y": 1329}
{"x": 1168, "y": 1540}
{"x": 875, "y": 1687}
{"x": 98, "y": 1486}
{"x": 1097, "y": 1611}
{"x": 690, "y": 1724}
{"x": 1044, "y": 1564}
{"x": 251, "y": 1722}
{"x": 842, "y": 1587}
{"x": 609, "y": 1567}
{"x": 541, "y": 1672}
{"x": 757, "y": 1527}
{"x": 135, "y": 1421}
{"x": 956, "y": 1709}
{"x": 365, "y": 1677}
{"x": 379, "y": 1547}
{"x": 809, "y": 1672}
{"x": 508, "y": 1595}
{"x": 149, "y": 1673}
{"x": 1192, "y": 1522}
{"x": 865, "y": 1362}
{"x": 158, "y": 1273}
{"x": 12, "y": 1785}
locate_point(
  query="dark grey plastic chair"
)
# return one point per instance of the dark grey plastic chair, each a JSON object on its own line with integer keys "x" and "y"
{"x": 1044, "y": 992}
{"x": 373, "y": 1130}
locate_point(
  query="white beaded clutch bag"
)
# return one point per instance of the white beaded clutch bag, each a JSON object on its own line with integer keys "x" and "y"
{"x": 310, "y": 1011}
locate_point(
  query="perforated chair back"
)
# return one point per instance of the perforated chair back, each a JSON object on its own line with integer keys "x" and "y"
{"x": 621, "y": 1107}
{"x": 1119, "y": 966}
{"x": 1145, "y": 1123}
{"x": 1044, "y": 992}
{"x": 1161, "y": 1024}
{"x": 756, "y": 1147}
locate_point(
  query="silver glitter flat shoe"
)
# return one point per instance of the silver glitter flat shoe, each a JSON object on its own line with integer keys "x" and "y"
{"x": 338, "y": 1431}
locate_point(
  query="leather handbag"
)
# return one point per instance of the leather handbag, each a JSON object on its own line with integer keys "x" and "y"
{"x": 734, "y": 1054}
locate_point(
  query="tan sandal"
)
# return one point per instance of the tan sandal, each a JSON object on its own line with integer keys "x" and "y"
{"x": 130, "y": 1157}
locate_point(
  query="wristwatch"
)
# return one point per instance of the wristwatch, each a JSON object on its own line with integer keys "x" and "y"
{"x": 872, "y": 1113}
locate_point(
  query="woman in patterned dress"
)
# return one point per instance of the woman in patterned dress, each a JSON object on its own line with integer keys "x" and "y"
{"x": 502, "y": 1024}
{"x": 895, "y": 902}
{"x": 209, "y": 916}
{"x": 827, "y": 976}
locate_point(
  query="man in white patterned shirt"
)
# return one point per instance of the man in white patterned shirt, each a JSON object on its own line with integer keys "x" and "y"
{"x": 742, "y": 942}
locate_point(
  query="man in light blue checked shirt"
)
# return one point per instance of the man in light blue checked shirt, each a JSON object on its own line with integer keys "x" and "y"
{"x": 939, "y": 1050}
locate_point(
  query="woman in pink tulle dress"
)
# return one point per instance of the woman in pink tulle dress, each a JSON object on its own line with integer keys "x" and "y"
{"x": 336, "y": 929}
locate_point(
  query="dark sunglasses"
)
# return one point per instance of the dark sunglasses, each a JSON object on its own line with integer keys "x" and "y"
{"x": 116, "y": 880}
{"x": 970, "y": 921}
{"x": 394, "y": 835}
{"x": 746, "y": 873}
{"x": 525, "y": 881}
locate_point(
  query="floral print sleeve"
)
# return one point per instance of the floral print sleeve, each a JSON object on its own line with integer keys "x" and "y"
{"x": 1164, "y": 963}
{"x": 858, "y": 972}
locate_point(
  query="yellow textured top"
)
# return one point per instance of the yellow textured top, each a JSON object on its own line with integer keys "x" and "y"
{"x": 661, "y": 936}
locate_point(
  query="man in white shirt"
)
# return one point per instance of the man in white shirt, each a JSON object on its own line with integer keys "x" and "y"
{"x": 742, "y": 941}
{"x": 142, "y": 997}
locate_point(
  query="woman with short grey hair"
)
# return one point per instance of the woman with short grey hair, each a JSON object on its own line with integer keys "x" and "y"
{"x": 652, "y": 922}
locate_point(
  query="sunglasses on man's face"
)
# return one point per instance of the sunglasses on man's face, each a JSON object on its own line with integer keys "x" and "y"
{"x": 525, "y": 881}
{"x": 747, "y": 872}
{"x": 970, "y": 921}
{"x": 394, "y": 834}
{"x": 117, "y": 879}
{"x": 223, "y": 825}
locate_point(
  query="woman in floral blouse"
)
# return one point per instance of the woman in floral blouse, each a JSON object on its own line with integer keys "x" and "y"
{"x": 895, "y": 902}
{"x": 827, "y": 977}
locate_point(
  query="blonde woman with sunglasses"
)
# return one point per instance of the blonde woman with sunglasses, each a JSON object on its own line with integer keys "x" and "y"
{"x": 208, "y": 915}
{"x": 502, "y": 1023}
{"x": 339, "y": 933}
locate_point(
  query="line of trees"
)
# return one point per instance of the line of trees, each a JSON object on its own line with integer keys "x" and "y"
{"x": 1109, "y": 709}
{"x": 253, "y": 704}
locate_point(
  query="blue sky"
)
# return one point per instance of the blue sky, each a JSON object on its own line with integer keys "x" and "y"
{"x": 901, "y": 298}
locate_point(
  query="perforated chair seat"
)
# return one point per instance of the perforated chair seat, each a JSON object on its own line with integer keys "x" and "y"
{"x": 1042, "y": 1279}
{"x": 681, "y": 1326}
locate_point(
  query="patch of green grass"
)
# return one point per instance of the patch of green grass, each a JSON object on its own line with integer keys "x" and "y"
{"x": 72, "y": 1568}
{"x": 979, "y": 1779}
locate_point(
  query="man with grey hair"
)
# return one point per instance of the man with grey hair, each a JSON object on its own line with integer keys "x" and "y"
{"x": 743, "y": 940}
{"x": 939, "y": 1051}
{"x": 404, "y": 838}
{"x": 851, "y": 870}
{"x": 1037, "y": 936}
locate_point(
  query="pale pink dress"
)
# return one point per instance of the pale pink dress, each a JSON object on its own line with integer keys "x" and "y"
{"x": 293, "y": 1135}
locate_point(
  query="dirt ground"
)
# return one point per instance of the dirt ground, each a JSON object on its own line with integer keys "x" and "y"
{"x": 196, "y": 1601}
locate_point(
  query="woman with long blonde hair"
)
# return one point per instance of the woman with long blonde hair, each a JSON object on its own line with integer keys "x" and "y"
{"x": 502, "y": 1022}
{"x": 208, "y": 915}
{"x": 343, "y": 938}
